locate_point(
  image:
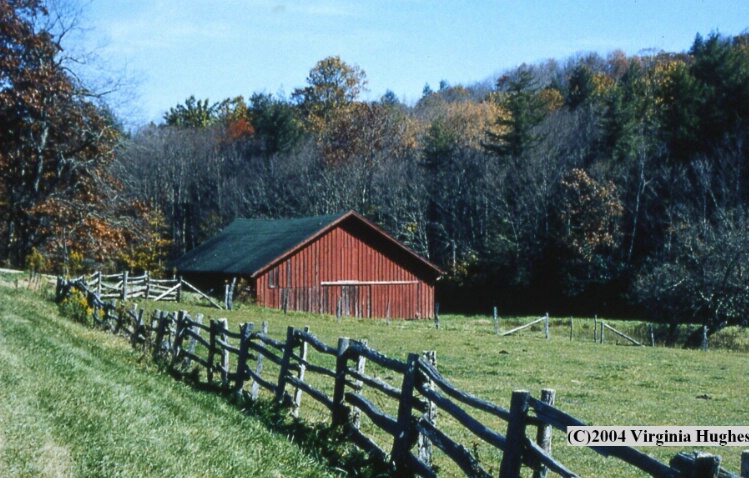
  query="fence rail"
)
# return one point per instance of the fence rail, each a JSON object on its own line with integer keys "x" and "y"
{"x": 227, "y": 357}
{"x": 123, "y": 286}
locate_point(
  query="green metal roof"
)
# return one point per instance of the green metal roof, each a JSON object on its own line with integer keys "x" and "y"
{"x": 247, "y": 245}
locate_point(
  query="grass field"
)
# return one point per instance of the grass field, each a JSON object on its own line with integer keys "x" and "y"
{"x": 77, "y": 402}
{"x": 609, "y": 384}
{"x": 605, "y": 384}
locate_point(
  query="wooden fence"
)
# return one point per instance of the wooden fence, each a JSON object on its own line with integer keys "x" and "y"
{"x": 234, "y": 360}
{"x": 123, "y": 286}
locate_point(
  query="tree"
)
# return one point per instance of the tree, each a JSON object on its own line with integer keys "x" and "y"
{"x": 55, "y": 144}
{"x": 277, "y": 124}
{"x": 332, "y": 86}
{"x": 705, "y": 281}
{"x": 194, "y": 113}
{"x": 580, "y": 88}
{"x": 526, "y": 109}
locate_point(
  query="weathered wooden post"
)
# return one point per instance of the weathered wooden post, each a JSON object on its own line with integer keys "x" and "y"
{"x": 602, "y": 324}
{"x": 179, "y": 289}
{"x": 340, "y": 412}
{"x": 496, "y": 321}
{"x": 124, "y": 286}
{"x": 745, "y": 464}
{"x": 595, "y": 329}
{"x": 213, "y": 331}
{"x": 98, "y": 284}
{"x": 704, "y": 338}
{"x": 161, "y": 325}
{"x": 255, "y": 390}
{"x": 179, "y": 336}
{"x": 512, "y": 458}
{"x": 546, "y": 325}
{"x": 148, "y": 285}
{"x": 652, "y": 336}
{"x": 288, "y": 350}
{"x": 423, "y": 443}
{"x": 229, "y": 294}
{"x": 437, "y": 315}
{"x": 224, "y": 325}
{"x": 543, "y": 435}
{"x": 245, "y": 332}
{"x": 300, "y": 375}
{"x": 706, "y": 465}
{"x": 571, "y": 328}
{"x": 338, "y": 311}
{"x": 403, "y": 428}
{"x": 361, "y": 362}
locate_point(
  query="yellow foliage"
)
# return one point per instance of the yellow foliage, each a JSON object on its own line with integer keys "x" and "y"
{"x": 36, "y": 262}
{"x": 76, "y": 307}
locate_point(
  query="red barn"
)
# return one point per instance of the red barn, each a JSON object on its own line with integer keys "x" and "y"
{"x": 318, "y": 264}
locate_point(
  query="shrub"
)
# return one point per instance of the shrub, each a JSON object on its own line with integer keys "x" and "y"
{"x": 76, "y": 307}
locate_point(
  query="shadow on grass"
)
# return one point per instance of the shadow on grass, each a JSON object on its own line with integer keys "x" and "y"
{"x": 325, "y": 444}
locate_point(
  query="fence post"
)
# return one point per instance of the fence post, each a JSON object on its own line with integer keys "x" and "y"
{"x": 338, "y": 311}
{"x": 496, "y": 321}
{"x": 706, "y": 465}
{"x": 361, "y": 362}
{"x": 571, "y": 327}
{"x": 148, "y": 285}
{"x": 124, "y": 286}
{"x": 161, "y": 321}
{"x": 595, "y": 329}
{"x": 245, "y": 331}
{"x": 213, "y": 327}
{"x": 745, "y": 464}
{"x": 404, "y": 428}
{"x": 255, "y": 391}
{"x": 179, "y": 289}
{"x": 546, "y": 326}
{"x": 512, "y": 457}
{"x": 704, "y": 338}
{"x": 300, "y": 376}
{"x": 437, "y": 315}
{"x": 98, "y": 284}
{"x": 652, "y": 336}
{"x": 287, "y": 352}
{"x": 224, "y": 324}
{"x": 543, "y": 435}
{"x": 179, "y": 336}
{"x": 424, "y": 444}
{"x": 602, "y": 324}
{"x": 340, "y": 411}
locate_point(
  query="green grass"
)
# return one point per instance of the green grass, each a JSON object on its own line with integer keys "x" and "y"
{"x": 605, "y": 384}
{"x": 78, "y": 402}
{"x": 609, "y": 384}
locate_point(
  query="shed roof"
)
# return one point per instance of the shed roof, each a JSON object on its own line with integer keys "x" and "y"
{"x": 250, "y": 246}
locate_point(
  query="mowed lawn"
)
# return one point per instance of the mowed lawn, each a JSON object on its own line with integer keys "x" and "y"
{"x": 609, "y": 384}
{"x": 77, "y": 402}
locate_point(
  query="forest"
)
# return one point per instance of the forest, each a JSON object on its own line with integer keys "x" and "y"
{"x": 612, "y": 185}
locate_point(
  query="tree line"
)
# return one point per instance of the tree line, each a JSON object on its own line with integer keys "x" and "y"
{"x": 612, "y": 185}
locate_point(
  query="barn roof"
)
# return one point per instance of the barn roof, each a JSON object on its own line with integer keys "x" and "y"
{"x": 250, "y": 246}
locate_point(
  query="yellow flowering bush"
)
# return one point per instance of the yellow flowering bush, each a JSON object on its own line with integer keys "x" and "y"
{"x": 75, "y": 307}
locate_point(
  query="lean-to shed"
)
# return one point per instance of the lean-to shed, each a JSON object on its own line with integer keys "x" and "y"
{"x": 318, "y": 264}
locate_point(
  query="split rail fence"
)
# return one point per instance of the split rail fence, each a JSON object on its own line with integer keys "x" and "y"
{"x": 123, "y": 286}
{"x": 233, "y": 361}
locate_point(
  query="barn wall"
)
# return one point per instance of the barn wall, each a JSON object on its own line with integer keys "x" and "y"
{"x": 340, "y": 255}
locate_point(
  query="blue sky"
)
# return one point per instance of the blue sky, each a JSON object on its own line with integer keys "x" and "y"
{"x": 225, "y": 48}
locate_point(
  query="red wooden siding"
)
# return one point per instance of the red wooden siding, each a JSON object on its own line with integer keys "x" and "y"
{"x": 368, "y": 276}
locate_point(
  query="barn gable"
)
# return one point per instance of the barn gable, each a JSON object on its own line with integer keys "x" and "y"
{"x": 326, "y": 264}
